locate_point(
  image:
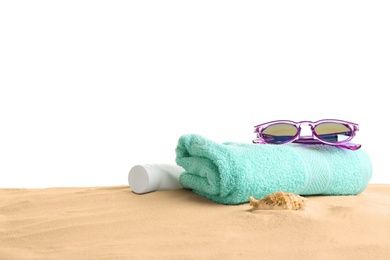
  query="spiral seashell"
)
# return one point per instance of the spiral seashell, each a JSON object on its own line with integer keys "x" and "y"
{"x": 278, "y": 199}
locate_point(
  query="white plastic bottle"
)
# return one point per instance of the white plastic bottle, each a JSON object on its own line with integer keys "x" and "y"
{"x": 152, "y": 177}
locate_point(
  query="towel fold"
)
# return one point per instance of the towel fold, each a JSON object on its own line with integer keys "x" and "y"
{"x": 229, "y": 173}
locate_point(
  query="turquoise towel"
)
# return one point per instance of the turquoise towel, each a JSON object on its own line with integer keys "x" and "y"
{"x": 229, "y": 173}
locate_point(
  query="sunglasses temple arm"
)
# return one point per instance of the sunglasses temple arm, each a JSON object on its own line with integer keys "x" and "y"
{"x": 258, "y": 141}
{"x": 351, "y": 146}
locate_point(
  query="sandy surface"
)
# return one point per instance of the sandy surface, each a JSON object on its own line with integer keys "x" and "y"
{"x": 114, "y": 223}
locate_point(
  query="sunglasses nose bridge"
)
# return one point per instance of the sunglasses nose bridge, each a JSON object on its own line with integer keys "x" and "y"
{"x": 305, "y": 130}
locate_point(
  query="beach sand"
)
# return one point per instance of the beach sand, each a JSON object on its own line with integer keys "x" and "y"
{"x": 115, "y": 223}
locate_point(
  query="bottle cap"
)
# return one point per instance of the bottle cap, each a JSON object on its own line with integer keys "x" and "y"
{"x": 144, "y": 178}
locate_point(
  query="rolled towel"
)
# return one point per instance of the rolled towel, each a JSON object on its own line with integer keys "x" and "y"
{"x": 229, "y": 173}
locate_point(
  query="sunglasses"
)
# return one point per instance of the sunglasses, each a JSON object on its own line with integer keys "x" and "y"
{"x": 327, "y": 131}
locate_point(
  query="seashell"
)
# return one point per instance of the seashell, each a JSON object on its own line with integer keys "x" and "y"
{"x": 278, "y": 199}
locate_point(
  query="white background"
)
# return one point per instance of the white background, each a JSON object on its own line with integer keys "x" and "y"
{"x": 89, "y": 89}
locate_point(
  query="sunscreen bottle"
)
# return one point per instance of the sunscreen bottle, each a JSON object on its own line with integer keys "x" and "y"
{"x": 152, "y": 177}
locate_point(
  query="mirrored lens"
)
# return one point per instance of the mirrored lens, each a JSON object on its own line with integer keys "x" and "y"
{"x": 333, "y": 132}
{"x": 279, "y": 133}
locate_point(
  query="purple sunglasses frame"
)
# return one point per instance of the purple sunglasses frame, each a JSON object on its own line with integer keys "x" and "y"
{"x": 314, "y": 139}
